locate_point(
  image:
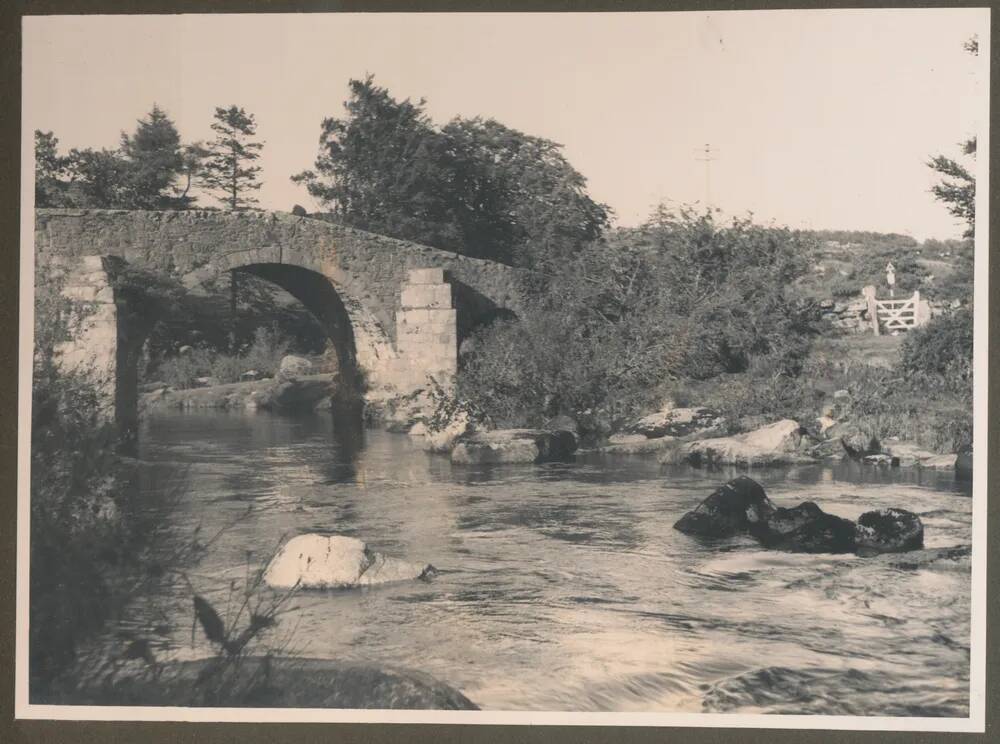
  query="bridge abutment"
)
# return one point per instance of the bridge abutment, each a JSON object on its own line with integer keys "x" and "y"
{"x": 426, "y": 331}
{"x": 101, "y": 348}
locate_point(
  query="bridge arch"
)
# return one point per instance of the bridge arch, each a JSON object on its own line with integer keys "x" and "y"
{"x": 394, "y": 310}
{"x": 362, "y": 347}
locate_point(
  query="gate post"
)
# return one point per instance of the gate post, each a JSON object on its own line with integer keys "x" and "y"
{"x": 869, "y": 294}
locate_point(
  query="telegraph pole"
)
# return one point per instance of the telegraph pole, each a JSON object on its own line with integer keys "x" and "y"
{"x": 707, "y": 154}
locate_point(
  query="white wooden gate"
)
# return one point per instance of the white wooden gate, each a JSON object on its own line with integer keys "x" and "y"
{"x": 896, "y": 315}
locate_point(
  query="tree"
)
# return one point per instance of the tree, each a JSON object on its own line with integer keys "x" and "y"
{"x": 474, "y": 187}
{"x": 229, "y": 165}
{"x": 99, "y": 179}
{"x": 958, "y": 188}
{"x": 193, "y": 157}
{"x": 155, "y": 162}
{"x": 385, "y": 169}
{"x": 50, "y": 171}
{"x": 142, "y": 173}
{"x": 526, "y": 190}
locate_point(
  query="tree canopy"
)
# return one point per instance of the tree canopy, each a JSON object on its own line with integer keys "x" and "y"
{"x": 143, "y": 173}
{"x": 474, "y": 186}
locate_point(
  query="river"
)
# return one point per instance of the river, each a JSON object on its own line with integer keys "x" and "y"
{"x": 564, "y": 587}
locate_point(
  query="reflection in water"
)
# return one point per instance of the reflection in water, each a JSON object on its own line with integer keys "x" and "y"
{"x": 348, "y": 431}
{"x": 564, "y": 587}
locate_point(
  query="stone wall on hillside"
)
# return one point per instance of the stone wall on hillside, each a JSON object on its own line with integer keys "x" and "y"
{"x": 852, "y": 315}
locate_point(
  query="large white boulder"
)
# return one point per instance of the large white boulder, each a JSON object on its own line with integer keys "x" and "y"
{"x": 774, "y": 444}
{"x": 336, "y": 562}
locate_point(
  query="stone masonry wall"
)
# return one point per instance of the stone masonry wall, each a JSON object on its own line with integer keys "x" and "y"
{"x": 426, "y": 331}
{"x": 192, "y": 245}
{"x": 93, "y": 325}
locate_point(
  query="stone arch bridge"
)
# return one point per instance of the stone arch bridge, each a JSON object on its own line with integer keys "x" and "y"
{"x": 394, "y": 310}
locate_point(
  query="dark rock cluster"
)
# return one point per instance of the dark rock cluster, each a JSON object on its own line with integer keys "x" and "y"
{"x": 742, "y": 507}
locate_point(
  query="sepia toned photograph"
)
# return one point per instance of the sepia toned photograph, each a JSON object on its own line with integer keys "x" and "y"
{"x": 607, "y": 368}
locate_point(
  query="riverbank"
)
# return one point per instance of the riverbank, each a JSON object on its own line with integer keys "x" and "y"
{"x": 673, "y": 434}
{"x": 306, "y": 393}
{"x": 267, "y": 682}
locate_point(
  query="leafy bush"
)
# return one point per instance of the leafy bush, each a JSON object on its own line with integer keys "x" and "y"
{"x": 956, "y": 282}
{"x": 750, "y": 400}
{"x": 76, "y": 489}
{"x": 78, "y": 530}
{"x": 939, "y": 355}
{"x": 263, "y": 354}
{"x": 886, "y": 403}
{"x": 619, "y": 323}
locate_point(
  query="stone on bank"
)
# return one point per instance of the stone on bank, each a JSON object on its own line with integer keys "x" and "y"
{"x": 776, "y": 444}
{"x": 676, "y": 422}
{"x": 293, "y": 367}
{"x": 515, "y": 446}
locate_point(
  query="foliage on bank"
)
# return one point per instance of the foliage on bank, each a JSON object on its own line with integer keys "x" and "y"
{"x": 623, "y": 322}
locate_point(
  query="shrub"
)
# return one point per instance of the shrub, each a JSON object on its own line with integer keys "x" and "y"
{"x": 939, "y": 355}
{"x": 616, "y": 326}
{"x": 265, "y": 351}
{"x": 263, "y": 354}
{"x": 78, "y": 529}
{"x": 885, "y": 403}
{"x": 759, "y": 397}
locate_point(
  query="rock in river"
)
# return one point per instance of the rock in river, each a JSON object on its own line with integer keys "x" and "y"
{"x": 336, "y": 562}
{"x": 742, "y": 507}
{"x": 443, "y": 438}
{"x": 777, "y": 443}
{"x": 889, "y": 531}
{"x": 515, "y": 446}
{"x": 807, "y": 529}
{"x": 739, "y": 506}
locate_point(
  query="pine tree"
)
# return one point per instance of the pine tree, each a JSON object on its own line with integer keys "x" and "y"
{"x": 229, "y": 167}
{"x": 153, "y": 154}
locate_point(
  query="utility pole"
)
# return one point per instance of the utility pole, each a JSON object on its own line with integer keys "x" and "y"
{"x": 707, "y": 154}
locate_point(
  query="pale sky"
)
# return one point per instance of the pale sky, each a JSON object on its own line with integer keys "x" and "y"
{"x": 818, "y": 119}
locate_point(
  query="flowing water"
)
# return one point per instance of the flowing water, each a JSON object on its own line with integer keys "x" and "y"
{"x": 564, "y": 587}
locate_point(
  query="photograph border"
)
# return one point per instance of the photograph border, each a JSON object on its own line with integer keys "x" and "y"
{"x": 984, "y": 404}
